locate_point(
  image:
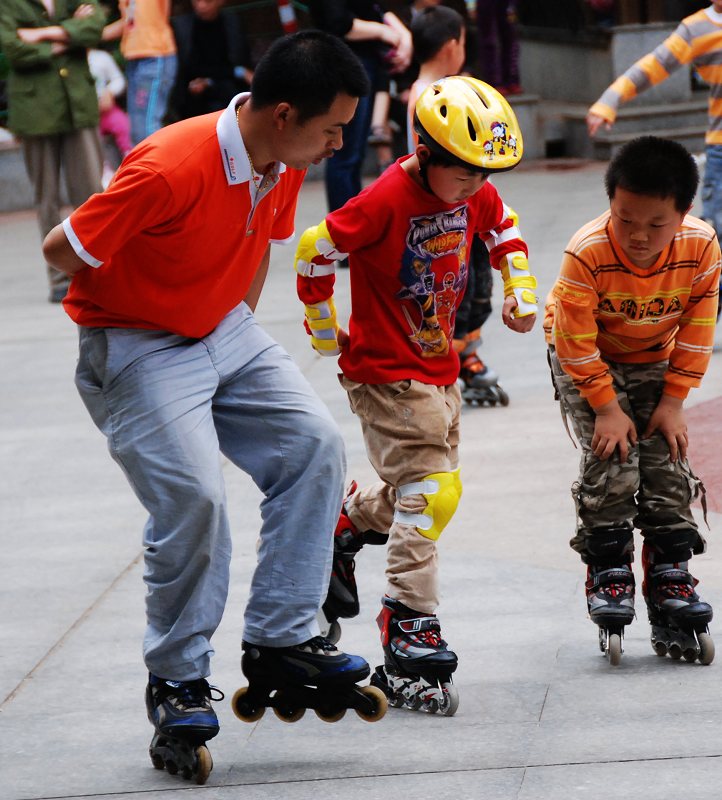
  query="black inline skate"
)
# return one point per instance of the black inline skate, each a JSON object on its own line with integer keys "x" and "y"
{"x": 342, "y": 598}
{"x": 184, "y": 720}
{"x": 417, "y": 667}
{"x": 679, "y": 618}
{"x": 610, "y": 602}
{"x": 480, "y": 382}
{"x": 310, "y": 675}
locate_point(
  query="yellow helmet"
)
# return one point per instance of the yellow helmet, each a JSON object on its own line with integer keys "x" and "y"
{"x": 468, "y": 122}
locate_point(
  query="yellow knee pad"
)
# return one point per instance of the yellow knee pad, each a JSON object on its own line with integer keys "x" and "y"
{"x": 442, "y": 491}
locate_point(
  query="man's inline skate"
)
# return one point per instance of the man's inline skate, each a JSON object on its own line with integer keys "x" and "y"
{"x": 418, "y": 665}
{"x": 184, "y": 720}
{"x": 342, "y": 599}
{"x": 679, "y": 618}
{"x": 310, "y": 675}
{"x": 480, "y": 382}
{"x": 610, "y": 602}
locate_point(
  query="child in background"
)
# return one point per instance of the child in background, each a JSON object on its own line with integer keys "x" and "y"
{"x": 109, "y": 85}
{"x": 630, "y": 324}
{"x": 407, "y": 237}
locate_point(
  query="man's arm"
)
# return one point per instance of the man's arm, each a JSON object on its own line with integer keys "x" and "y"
{"x": 59, "y": 252}
{"x": 254, "y": 290}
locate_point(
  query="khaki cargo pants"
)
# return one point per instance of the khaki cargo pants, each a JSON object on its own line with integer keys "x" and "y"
{"x": 411, "y": 430}
{"x": 649, "y": 492}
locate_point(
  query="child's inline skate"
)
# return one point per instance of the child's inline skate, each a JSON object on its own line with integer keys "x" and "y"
{"x": 480, "y": 382}
{"x": 679, "y": 618}
{"x": 181, "y": 713}
{"x": 417, "y": 667}
{"x": 342, "y": 599}
{"x": 610, "y": 602}
{"x": 310, "y": 675}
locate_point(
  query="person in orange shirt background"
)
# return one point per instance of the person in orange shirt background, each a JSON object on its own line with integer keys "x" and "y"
{"x": 148, "y": 47}
{"x": 630, "y": 323}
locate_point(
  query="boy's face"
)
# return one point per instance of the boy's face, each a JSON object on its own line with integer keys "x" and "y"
{"x": 643, "y": 225}
{"x": 454, "y": 184}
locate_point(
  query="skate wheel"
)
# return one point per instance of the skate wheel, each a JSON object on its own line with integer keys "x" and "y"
{"x": 334, "y": 632}
{"x": 204, "y": 765}
{"x": 379, "y": 702}
{"x": 187, "y": 773}
{"x": 330, "y": 714}
{"x": 660, "y": 648}
{"x": 244, "y": 710}
{"x": 690, "y": 655}
{"x": 172, "y": 767}
{"x": 706, "y": 648}
{"x": 396, "y": 701}
{"x": 675, "y": 652}
{"x": 450, "y": 701}
{"x": 157, "y": 761}
{"x": 412, "y": 703}
{"x": 503, "y": 396}
{"x": 614, "y": 649}
{"x": 285, "y": 711}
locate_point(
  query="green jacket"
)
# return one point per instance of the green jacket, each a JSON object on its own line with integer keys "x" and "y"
{"x": 47, "y": 93}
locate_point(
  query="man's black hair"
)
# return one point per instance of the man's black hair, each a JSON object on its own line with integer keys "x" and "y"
{"x": 654, "y": 167}
{"x": 432, "y": 28}
{"x": 308, "y": 70}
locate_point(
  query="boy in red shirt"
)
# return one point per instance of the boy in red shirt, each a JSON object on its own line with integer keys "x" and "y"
{"x": 407, "y": 236}
{"x": 630, "y": 322}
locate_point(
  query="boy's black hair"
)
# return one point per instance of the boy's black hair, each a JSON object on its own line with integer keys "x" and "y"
{"x": 309, "y": 70}
{"x": 654, "y": 167}
{"x": 432, "y": 28}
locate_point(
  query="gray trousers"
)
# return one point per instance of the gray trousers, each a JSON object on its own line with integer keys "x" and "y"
{"x": 79, "y": 154}
{"x": 169, "y": 407}
{"x": 649, "y": 492}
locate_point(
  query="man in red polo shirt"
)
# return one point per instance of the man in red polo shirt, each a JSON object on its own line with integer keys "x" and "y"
{"x": 167, "y": 267}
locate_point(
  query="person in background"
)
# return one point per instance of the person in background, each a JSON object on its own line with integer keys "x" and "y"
{"x": 148, "y": 47}
{"x": 214, "y": 59}
{"x": 114, "y": 122}
{"x": 53, "y": 107}
{"x": 379, "y": 39}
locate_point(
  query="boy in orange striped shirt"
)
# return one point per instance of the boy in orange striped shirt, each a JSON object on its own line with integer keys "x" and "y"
{"x": 630, "y": 324}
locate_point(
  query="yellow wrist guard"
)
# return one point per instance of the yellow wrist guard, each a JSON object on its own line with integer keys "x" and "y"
{"x": 519, "y": 281}
{"x": 321, "y": 321}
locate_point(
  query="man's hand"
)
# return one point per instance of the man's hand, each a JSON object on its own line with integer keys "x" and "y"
{"x": 199, "y": 85}
{"x": 508, "y": 316}
{"x": 612, "y": 429}
{"x": 669, "y": 419}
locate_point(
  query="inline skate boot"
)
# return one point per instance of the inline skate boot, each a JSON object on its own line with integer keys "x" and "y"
{"x": 480, "y": 382}
{"x": 417, "y": 668}
{"x": 610, "y": 603}
{"x": 342, "y": 598}
{"x": 679, "y": 618}
{"x": 184, "y": 720}
{"x": 310, "y": 675}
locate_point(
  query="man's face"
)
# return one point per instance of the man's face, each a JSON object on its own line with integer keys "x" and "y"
{"x": 317, "y": 138}
{"x": 207, "y": 10}
{"x": 643, "y": 225}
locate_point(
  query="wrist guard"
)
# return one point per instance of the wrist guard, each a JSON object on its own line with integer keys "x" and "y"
{"x": 518, "y": 281}
{"x": 316, "y": 253}
{"x": 322, "y": 325}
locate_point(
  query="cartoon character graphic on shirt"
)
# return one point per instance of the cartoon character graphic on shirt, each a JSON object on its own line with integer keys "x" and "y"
{"x": 430, "y": 239}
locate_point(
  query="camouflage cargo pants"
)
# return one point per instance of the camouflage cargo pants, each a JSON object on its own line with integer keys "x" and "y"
{"x": 648, "y": 492}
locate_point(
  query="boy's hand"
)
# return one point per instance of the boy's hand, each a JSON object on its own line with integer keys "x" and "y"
{"x": 612, "y": 429}
{"x": 669, "y": 419}
{"x": 595, "y": 122}
{"x": 518, "y": 324}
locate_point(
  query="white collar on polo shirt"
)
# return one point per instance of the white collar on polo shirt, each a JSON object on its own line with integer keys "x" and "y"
{"x": 233, "y": 151}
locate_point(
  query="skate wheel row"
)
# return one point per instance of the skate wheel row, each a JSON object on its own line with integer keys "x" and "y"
{"x": 489, "y": 397}
{"x": 201, "y": 769}
{"x": 287, "y": 711}
{"x": 704, "y": 654}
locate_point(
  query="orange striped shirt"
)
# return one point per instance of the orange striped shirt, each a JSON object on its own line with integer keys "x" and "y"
{"x": 605, "y": 308}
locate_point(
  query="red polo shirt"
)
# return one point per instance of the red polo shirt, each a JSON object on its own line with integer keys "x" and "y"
{"x": 176, "y": 239}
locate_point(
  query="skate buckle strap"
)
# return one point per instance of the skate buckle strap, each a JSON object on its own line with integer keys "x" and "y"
{"x": 419, "y": 624}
